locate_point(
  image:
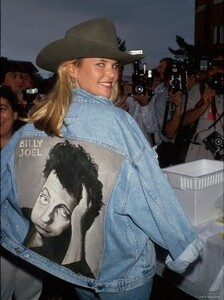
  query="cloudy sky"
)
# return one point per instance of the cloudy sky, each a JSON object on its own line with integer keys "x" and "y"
{"x": 152, "y": 25}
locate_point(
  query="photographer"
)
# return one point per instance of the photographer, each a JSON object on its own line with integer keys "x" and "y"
{"x": 134, "y": 98}
{"x": 205, "y": 106}
{"x": 29, "y": 94}
{"x": 166, "y": 130}
{"x": 167, "y": 105}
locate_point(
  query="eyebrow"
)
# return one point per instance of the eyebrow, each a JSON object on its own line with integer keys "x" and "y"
{"x": 14, "y": 73}
{"x": 105, "y": 60}
{"x": 62, "y": 205}
{"x": 47, "y": 191}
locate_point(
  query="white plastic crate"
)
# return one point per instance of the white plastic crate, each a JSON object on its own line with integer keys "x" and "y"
{"x": 199, "y": 185}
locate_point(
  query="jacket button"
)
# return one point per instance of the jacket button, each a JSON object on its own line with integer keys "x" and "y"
{"x": 26, "y": 255}
{"x": 90, "y": 284}
{"x": 100, "y": 287}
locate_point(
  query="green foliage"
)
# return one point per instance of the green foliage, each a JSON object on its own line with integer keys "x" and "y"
{"x": 186, "y": 51}
{"x": 121, "y": 44}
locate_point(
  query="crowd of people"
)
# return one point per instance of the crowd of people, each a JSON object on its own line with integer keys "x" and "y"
{"x": 178, "y": 117}
{"x": 176, "y": 122}
{"x": 86, "y": 137}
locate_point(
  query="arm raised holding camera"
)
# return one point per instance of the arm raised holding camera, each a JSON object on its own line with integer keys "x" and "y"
{"x": 203, "y": 104}
{"x": 173, "y": 123}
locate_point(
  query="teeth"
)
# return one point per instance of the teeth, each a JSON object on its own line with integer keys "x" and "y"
{"x": 106, "y": 84}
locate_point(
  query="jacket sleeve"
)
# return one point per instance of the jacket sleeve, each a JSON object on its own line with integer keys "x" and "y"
{"x": 7, "y": 167}
{"x": 189, "y": 255}
{"x": 165, "y": 221}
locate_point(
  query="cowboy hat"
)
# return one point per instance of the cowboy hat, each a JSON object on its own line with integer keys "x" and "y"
{"x": 93, "y": 38}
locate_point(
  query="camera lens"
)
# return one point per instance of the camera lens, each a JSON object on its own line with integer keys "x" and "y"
{"x": 218, "y": 141}
{"x": 139, "y": 89}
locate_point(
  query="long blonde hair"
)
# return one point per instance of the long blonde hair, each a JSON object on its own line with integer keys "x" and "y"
{"x": 48, "y": 115}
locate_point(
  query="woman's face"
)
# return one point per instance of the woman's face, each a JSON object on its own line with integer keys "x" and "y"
{"x": 52, "y": 211}
{"x": 97, "y": 76}
{"x": 27, "y": 81}
{"x": 14, "y": 80}
{"x": 8, "y": 117}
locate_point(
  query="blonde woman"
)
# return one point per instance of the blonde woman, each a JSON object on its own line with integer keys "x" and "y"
{"x": 139, "y": 207}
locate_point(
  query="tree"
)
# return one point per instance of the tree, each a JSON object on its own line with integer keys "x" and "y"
{"x": 121, "y": 44}
{"x": 188, "y": 53}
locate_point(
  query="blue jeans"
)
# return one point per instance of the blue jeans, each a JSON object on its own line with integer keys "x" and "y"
{"x": 141, "y": 293}
{"x": 19, "y": 278}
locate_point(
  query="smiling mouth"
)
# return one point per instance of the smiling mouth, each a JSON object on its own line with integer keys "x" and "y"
{"x": 106, "y": 84}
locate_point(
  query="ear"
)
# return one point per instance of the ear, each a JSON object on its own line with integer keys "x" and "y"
{"x": 71, "y": 69}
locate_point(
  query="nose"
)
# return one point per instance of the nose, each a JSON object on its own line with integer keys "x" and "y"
{"x": 19, "y": 79}
{"x": 48, "y": 216}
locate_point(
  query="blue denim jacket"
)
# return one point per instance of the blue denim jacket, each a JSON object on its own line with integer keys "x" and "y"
{"x": 139, "y": 206}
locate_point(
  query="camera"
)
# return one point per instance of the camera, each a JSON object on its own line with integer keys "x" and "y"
{"x": 216, "y": 83}
{"x": 215, "y": 143}
{"x": 29, "y": 95}
{"x": 206, "y": 63}
{"x": 141, "y": 79}
{"x": 178, "y": 76}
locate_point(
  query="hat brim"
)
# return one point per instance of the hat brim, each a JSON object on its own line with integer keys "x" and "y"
{"x": 63, "y": 50}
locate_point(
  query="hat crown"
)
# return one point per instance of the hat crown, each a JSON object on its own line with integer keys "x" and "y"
{"x": 99, "y": 30}
{"x": 91, "y": 39}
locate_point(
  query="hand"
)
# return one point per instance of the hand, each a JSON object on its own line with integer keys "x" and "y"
{"x": 127, "y": 88}
{"x": 176, "y": 98}
{"x": 207, "y": 97}
{"x": 191, "y": 81}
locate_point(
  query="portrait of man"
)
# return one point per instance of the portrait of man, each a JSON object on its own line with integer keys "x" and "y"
{"x": 56, "y": 221}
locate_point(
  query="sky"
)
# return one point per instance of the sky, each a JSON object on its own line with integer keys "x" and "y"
{"x": 150, "y": 25}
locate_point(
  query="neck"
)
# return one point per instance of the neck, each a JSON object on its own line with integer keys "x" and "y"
{"x": 35, "y": 240}
{"x": 4, "y": 139}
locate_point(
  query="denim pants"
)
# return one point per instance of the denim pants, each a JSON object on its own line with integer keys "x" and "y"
{"x": 19, "y": 278}
{"x": 140, "y": 293}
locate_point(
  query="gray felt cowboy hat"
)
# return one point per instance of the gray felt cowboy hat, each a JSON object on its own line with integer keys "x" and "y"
{"x": 93, "y": 38}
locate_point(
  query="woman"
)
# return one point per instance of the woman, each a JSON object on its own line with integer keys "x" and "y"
{"x": 9, "y": 114}
{"x": 139, "y": 206}
{"x": 18, "y": 279}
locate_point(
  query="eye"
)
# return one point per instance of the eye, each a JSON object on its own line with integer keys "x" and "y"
{"x": 100, "y": 64}
{"x": 64, "y": 213}
{"x": 44, "y": 199}
{"x": 116, "y": 66}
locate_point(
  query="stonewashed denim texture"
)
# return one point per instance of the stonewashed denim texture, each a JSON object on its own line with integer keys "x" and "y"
{"x": 142, "y": 208}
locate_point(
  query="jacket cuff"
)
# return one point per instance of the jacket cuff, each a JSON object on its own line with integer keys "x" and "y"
{"x": 189, "y": 255}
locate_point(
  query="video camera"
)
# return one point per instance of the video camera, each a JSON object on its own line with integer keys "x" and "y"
{"x": 141, "y": 79}
{"x": 178, "y": 76}
{"x": 216, "y": 82}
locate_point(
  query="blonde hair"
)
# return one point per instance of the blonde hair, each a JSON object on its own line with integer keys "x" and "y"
{"x": 48, "y": 115}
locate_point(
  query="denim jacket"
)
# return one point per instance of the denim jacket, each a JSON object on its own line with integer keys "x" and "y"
{"x": 139, "y": 207}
